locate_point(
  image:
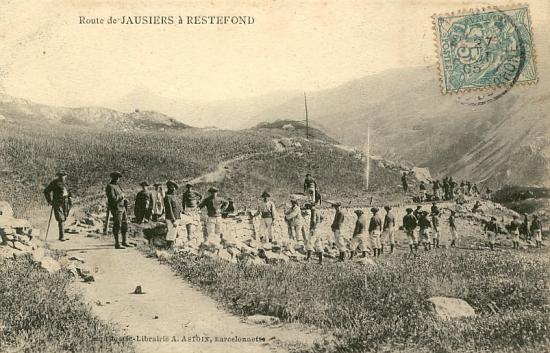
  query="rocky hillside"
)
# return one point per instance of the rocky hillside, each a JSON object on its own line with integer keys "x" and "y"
{"x": 504, "y": 140}
{"x": 17, "y": 109}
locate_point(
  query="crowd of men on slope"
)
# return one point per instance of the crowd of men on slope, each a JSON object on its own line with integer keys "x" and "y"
{"x": 367, "y": 233}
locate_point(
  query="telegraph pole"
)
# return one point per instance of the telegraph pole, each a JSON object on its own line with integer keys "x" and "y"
{"x": 368, "y": 154}
{"x": 307, "y": 119}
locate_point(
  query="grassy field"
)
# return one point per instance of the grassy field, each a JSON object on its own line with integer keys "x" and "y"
{"x": 37, "y": 314}
{"x": 30, "y": 155}
{"x": 386, "y": 308}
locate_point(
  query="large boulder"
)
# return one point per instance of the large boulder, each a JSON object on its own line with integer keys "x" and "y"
{"x": 449, "y": 308}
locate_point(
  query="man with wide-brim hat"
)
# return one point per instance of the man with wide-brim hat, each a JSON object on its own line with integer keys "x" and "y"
{"x": 294, "y": 218}
{"x": 214, "y": 207}
{"x": 375, "y": 229}
{"x": 536, "y": 230}
{"x": 514, "y": 231}
{"x": 143, "y": 205}
{"x": 336, "y": 228}
{"x": 173, "y": 212}
{"x": 409, "y": 225}
{"x": 491, "y": 229}
{"x": 360, "y": 239}
{"x": 266, "y": 211}
{"x": 59, "y": 198}
{"x": 189, "y": 202}
{"x": 425, "y": 225}
{"x": 388, "y": 228}
{"x": 117, "y": 204}
{"x": 314, "y": 241}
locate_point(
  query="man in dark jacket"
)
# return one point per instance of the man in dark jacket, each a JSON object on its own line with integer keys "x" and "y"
{"x": 310, "y": 188}
{"x": 360, "y": 235}
{"x": 336, "y": 227}
{"x": 58, "y": 196}
{"x": 214, "y": 207}
{"x": 536, "y": 230}
{"x": 491, "y": 229}
{"x": 404, "y": 182}
{"x": 117, "y": 204}
{"x": 375, "y": 230}
{"x": 173, "y": 213}
{"x": 424, "y": 224}
{"x": 143, "y": 206}
{"x": 409, "y": 224}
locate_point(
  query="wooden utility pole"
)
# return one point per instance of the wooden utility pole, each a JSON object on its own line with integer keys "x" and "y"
{"x": 368, "y": 155}
{"x": 307, "y": 119}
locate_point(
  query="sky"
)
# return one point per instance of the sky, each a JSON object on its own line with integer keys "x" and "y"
{"x": 48, "y": 57}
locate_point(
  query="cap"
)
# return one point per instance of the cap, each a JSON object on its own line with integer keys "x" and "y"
{"x": 387, "y": 208}
{"x": 116, "y": 175}
{"x": 425, "y": 213}
{"x": 336, "y": 204}
{"x": 61, "y": 173}
{"x": 374, "y": 209}
{"x": 308, "y": 174}
{"x": 188, "y": 185}
{"x": 409, "y": 210}
{"x": 213, "y": 189}
{"x": 293, "y": 198}
{"x": 515, "y": 216}
{"x": 157, "y": 184}
{"x": 358, "y": 212}
{"x": 493, "y": 218}
{"x": 265, "y": 194}
{"x": 419, "y": 206}
{"x": 171, "y": 183}
{"x": 144, "y": 183}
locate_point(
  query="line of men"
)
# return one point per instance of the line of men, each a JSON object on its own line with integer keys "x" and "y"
{"x": 365, "y": 235}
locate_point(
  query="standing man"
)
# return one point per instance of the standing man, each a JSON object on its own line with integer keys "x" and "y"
{"x": 375, "y": 229}
{"x": 173, "y": 213}
{"x": 435, "y": 225}
{"x": 536, "y": 230}
{"x": 422, "y": 191}
{"x": 514, "y": 231}
{"x": 117, "y": 205}
{"x": 452, "y": 186}
{"x": 404, "y": 182}
{"x": 336, "y": 227}
{"x": 158, "y": 203}
{"x": 389, "y": 227}
{"x": 143, "y": 204}
{"x": 436, "y": 187}
{"x": 214, "y": 206}
{"x": 314, "y": 240}
{"x": 446, "y": 189}
{"x": 452, "y": 226}
{"x": 310, "y": 188}
{"x": 294, "y": 218}
{"x": 189, "y": 202}
{"x": 425, "y": 225}
{"x": 525, "y": 227}
{"x": 491, "y": 229}
{"x": 59, "y": 198}
{"x": 266, "y": 210}
{"x": 409, "y": 224}
{"x": 360, "y": 238}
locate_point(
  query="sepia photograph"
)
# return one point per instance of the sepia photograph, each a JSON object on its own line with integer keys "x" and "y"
{"x": 282, "y": 176}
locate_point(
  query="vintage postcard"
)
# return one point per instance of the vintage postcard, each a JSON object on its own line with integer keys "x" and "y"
{"x": 275, "y": 176}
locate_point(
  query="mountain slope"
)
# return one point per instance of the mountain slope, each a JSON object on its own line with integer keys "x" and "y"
{"x": 17, "y": 109}
{"x": 410, "y": 120}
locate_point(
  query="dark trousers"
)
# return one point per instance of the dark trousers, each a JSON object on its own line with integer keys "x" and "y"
{"x": 120, "y": 225}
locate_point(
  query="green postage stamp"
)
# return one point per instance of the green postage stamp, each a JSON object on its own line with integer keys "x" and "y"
{"x": 485, "y": 48}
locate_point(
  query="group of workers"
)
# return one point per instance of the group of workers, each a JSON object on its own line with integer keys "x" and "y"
{"x": 445, "y": 190}
{"x": 421, "y": 227}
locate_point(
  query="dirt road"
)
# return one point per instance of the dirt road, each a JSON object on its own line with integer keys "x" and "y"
{"x": 169, "y": 308}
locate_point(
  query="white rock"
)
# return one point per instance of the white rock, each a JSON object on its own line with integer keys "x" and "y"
{"x": 262, "y": 320}
{"x": 448, "y": 308}
{"x": 49, "y": 264}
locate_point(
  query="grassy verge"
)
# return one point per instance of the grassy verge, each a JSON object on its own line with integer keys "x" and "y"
{"x": 369, "y": 309}
{"x": 37, "y": 314}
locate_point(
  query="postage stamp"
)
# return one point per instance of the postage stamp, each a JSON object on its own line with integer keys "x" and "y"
{"x": 486, "y": 48}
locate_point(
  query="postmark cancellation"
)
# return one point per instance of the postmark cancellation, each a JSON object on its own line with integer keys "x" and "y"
{"x": 485, "y": 48}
